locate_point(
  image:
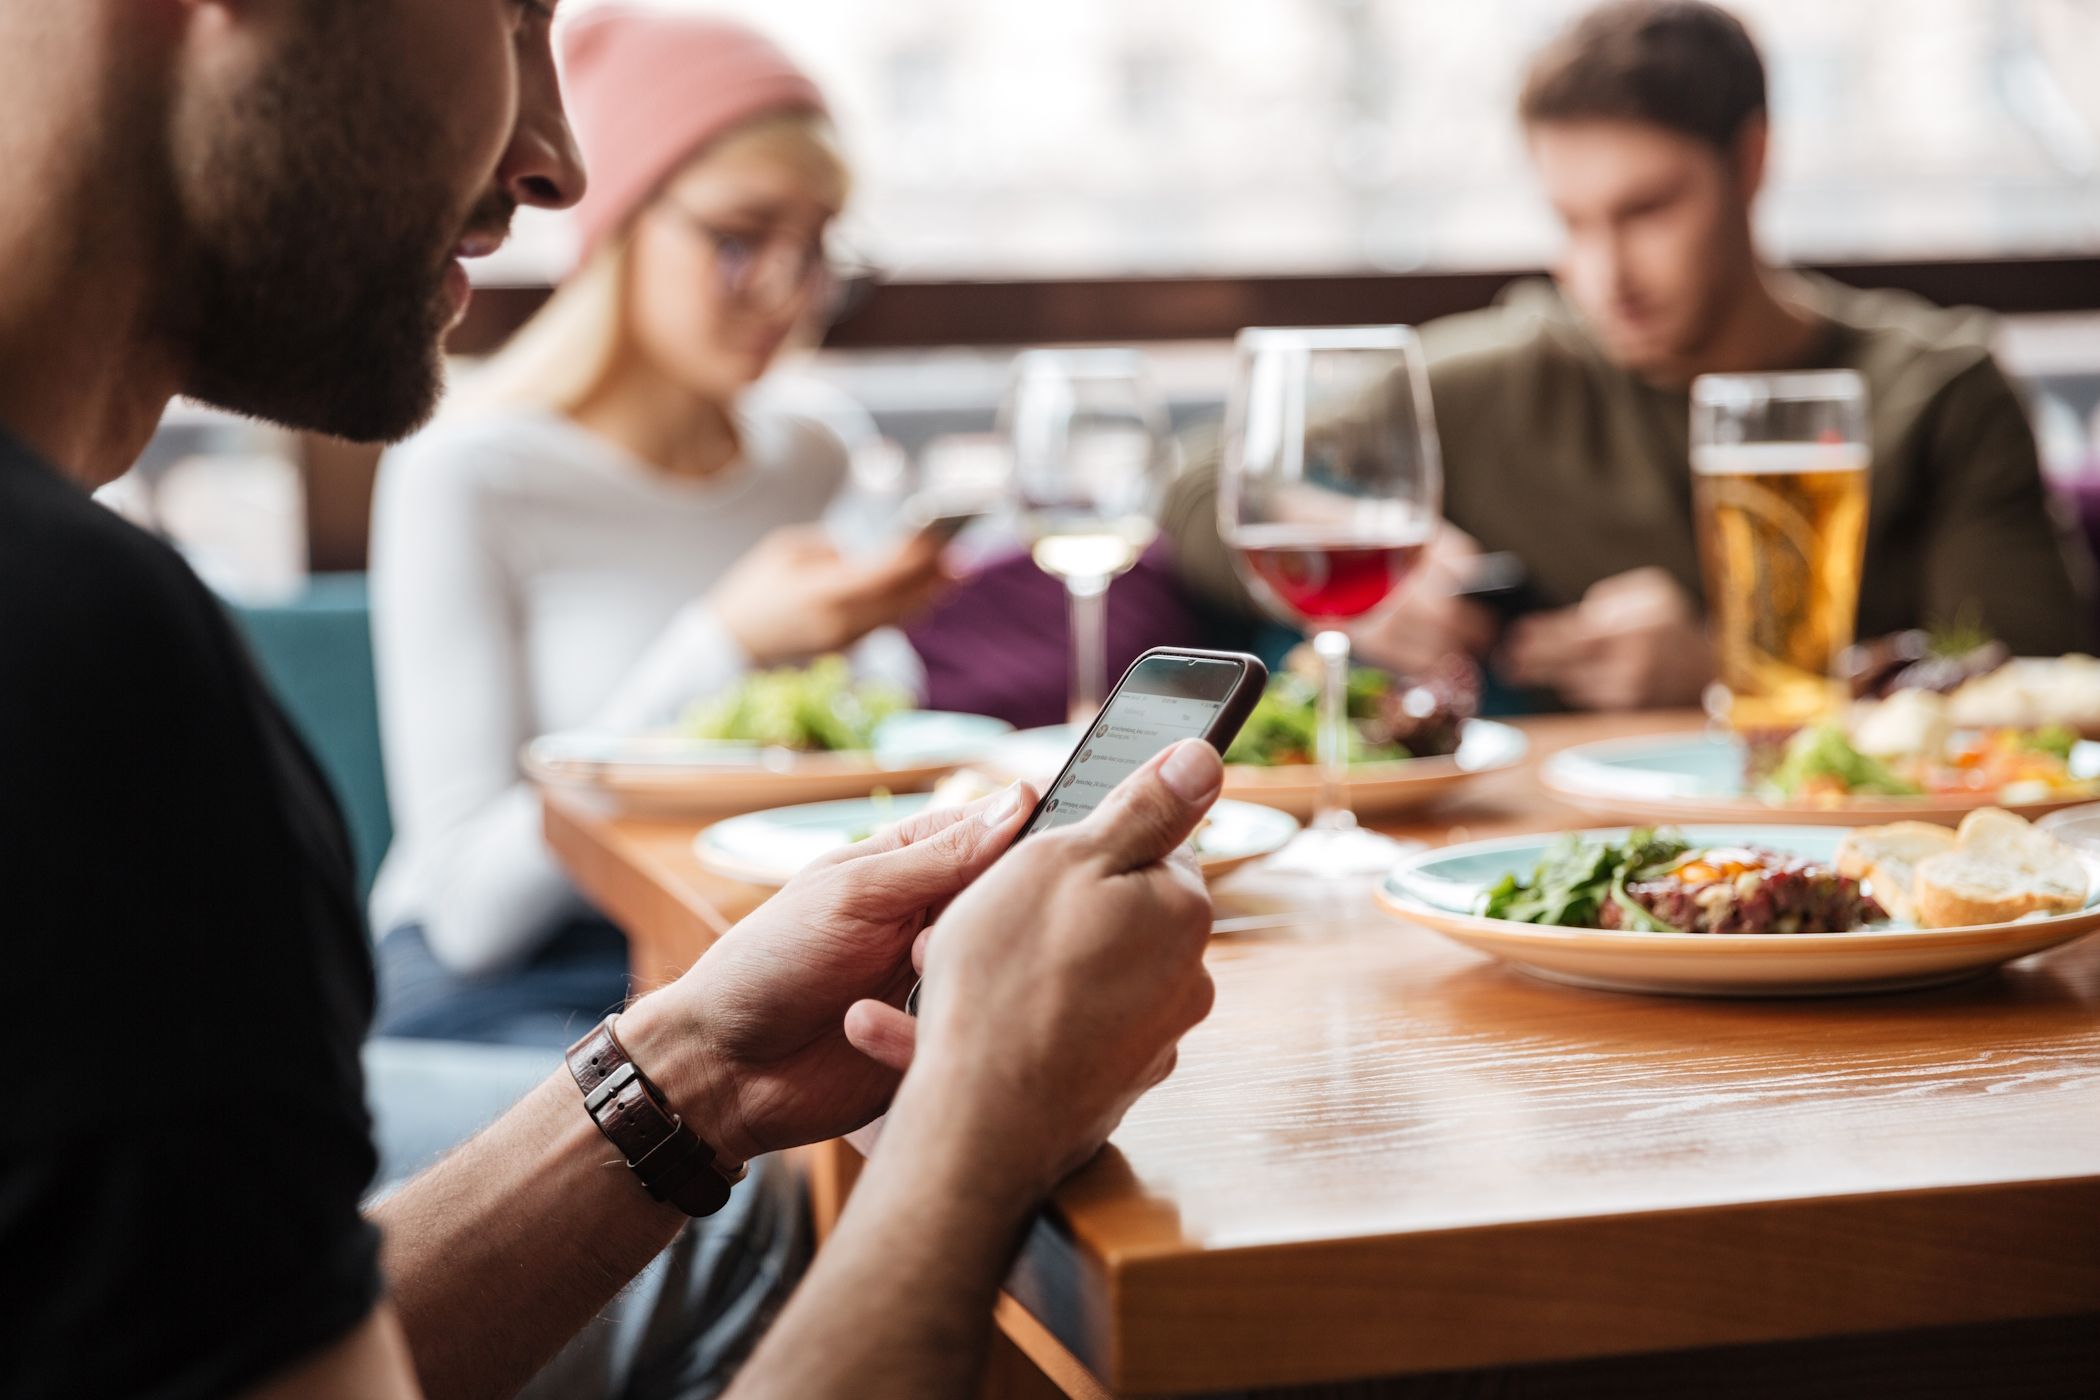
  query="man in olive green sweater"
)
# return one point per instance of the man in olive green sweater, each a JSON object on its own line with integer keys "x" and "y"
{"x": 1563, "y": 409}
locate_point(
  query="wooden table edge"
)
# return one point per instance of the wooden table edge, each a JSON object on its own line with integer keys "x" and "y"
{"x": 643, "y": 909}
{"x": 1455, "y": 1299}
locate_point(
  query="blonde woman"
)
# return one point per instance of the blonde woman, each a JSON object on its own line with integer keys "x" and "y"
{"x": 610, "y": 520}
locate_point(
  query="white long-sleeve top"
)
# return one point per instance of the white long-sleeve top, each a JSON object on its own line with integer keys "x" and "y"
{"x": 527, "y": 576}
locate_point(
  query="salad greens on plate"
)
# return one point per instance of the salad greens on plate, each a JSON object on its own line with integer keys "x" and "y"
{"x": 1823, "y": 755}
{"x": 1284, "y": 725}
{"x": 1388, "y": 719}
{"x": 815, "y": 709}
{"x": 1656, "y": 881}
{"x": 1824, "y": 762}
{"x": 1581, "y": 874}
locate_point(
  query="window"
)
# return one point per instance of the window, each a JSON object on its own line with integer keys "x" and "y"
{"x": 1016, "y": 139}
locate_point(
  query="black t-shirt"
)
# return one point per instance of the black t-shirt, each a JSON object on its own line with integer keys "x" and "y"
{"x": 186, "y": 982}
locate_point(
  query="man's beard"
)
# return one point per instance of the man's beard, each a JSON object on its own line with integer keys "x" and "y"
{"x": 316, "y": 242}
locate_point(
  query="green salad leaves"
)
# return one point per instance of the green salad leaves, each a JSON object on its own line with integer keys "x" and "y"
{"x": 2056, "y": 740}
{"x": 1284, "y": 725}
{"x": 818, "y": 708}
{"x": 1822, "y": 754}
{"x": 1579, "y": 874}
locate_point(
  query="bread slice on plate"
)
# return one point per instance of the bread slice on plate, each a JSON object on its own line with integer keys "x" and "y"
{"x": 1886, "y": 857}
{"x": 2000, "y": 869}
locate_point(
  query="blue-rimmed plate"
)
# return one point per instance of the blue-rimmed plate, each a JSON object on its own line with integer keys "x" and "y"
{"x": 768, "y": 848}
{"x": 1443, "y": 890}
{"x": 1699, "y": 778}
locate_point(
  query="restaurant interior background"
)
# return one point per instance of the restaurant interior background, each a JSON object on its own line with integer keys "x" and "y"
{"x": 1164, "y": 172}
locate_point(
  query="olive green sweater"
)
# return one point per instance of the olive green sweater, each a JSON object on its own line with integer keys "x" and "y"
{"x": 1582, "y": 469}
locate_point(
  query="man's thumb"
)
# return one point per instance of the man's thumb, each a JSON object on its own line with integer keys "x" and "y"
{"x": 1156, "y": 808}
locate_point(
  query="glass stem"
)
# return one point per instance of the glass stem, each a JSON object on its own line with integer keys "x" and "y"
{"x": 1089, "y": 608}
{"x": 1331, "y": 812}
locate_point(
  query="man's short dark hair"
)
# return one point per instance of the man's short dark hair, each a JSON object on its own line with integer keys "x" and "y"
{"x": 1683, "y": 65}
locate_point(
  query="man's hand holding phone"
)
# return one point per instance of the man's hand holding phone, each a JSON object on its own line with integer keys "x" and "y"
{"x": 1074, "y": 967}
{"x": 750, "y": 1043}
{"x": 1059, "y": 983}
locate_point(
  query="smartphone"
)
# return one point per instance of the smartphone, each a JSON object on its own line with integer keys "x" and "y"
{"x": 943, "y": 516}
{"x": 945, "y": 528}
{"x": 1167, "y": 695}
{"x": 1502, "y": 584}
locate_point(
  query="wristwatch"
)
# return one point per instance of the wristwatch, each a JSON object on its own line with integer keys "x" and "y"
{"x": 674, "y": 1165}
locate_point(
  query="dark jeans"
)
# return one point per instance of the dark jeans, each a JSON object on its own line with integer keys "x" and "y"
{"x": 681, "y": 1329}
{"x": 577, "y": 977}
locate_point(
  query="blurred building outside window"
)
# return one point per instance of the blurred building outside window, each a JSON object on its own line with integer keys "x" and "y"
{"x": 996, "y": 139}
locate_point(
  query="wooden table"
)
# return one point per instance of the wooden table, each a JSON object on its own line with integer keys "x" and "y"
{"x": 1387, "y": 1156}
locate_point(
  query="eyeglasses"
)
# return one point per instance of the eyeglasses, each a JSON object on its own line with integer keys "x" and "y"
{"x": 768, "y": 270}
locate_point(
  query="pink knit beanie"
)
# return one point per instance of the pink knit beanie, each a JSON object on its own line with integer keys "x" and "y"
{"x": 646, "y": 89}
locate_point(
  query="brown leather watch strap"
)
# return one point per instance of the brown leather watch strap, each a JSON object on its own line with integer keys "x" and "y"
{"x": 673, "y": 1164}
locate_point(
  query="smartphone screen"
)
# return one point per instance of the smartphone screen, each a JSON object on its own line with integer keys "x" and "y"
{"x": 1164, "y": 697}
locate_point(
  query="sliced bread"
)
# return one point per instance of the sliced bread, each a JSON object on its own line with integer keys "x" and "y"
{"x": 2000, "y": 869}
{"x": 1886, "y": 857}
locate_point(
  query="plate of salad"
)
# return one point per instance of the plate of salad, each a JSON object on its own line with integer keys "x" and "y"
{"x": 1753, "y": 909}
{"x": 1903, "y": 757}
{"x": 1410, "y": 742}
{"x": 792, "y": 734}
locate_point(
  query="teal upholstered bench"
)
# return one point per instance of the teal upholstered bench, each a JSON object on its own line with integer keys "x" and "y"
{"x": 316, "y": 653}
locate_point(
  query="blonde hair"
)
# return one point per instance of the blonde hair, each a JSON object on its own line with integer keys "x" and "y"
{"x": 565, "y": 352}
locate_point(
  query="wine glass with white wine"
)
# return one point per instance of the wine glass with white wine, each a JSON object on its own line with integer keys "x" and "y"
{"x": 1092, "y": 454}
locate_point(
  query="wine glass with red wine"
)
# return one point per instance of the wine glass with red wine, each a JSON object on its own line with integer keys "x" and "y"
{"x": 1329, "y": 488}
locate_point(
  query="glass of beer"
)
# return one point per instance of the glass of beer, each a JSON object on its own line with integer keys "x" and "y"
{"x": 1779, "y": 473}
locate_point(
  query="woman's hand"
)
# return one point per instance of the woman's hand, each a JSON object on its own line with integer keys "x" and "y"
{"x": 794, "y": 595}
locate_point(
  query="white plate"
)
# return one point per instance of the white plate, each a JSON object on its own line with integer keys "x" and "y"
{"x": 670, "y": 774}
{"x": 1699, "y": 778}
{"x": 1442, "y": 889}
{"x": 1375, "y": 789}
{"x": 768, "y": 848}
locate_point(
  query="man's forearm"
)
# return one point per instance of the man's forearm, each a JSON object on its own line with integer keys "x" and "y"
{"x": 899, "y": 1303}
{"x": 500, "y": 1253}
{"x": 497, "y": 1255}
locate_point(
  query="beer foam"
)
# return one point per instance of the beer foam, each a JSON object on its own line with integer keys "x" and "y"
{"x": 1768, "y": 458}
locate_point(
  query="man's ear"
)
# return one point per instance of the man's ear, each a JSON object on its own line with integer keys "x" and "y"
{"x": 1748, "y": 157}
